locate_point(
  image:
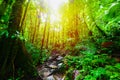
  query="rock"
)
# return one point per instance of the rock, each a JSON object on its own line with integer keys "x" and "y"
{"x": 50, "y": 58}
{"x": 50, "y": 69}
{"x": 59, "y": 65}
{"x": 50, "y": 78}
{"x": 53, "y": 66}
{"x": 44, "y": 72}
{"x": 59, "y": 58}
{"x": 58, "y": 76}
{"x": 75, "y": 74}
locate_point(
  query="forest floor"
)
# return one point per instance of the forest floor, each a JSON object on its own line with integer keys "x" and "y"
{"x": 50, "y": 69}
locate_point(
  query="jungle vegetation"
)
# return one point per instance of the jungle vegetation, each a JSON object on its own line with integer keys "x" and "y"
{"x": 85, "y": 32}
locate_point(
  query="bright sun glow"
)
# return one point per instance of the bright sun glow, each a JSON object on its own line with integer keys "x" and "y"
{"x": 54, "y": 6}
{"x": 54, "y": 17}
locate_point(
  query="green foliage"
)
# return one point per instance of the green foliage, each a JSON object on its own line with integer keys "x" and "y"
{"x": 107, "y": 16}
{"x": 4, "y": 32}
{"x": 38, "y": 56}
{"x": 19, "y": 76}
{"x": 4, "y": 18}
{"x": 92, "y": 67}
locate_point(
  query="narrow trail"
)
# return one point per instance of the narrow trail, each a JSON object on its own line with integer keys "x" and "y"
{"x": 50, "y": 69}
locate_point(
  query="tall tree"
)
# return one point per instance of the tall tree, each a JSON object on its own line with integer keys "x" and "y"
{"x": 14, "y": 55}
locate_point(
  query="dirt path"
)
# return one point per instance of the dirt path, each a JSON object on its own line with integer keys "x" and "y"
{"x": 50, "y": 69}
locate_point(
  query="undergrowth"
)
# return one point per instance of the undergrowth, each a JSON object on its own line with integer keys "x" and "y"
{"x": 38, "y": 55}
{"x": 91, "y": 65}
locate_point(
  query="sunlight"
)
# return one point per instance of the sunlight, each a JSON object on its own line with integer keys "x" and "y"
{"x": 54, "y": 6}
{"x": 56, "y": 29}
{"x": 54, "y": 17}
{"x": 43, "y": 17}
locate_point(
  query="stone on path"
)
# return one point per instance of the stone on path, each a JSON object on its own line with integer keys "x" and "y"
{"x": 50, "y": 69}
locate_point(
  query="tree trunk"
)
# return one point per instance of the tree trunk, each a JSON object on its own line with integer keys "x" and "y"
{"x": 14, "y": 55}
{"x": 44, "y": 35}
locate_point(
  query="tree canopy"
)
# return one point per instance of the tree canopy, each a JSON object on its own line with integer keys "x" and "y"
{"x": 84, "y": 32}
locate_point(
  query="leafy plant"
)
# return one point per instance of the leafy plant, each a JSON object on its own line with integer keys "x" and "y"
{"x": 92, "y": 67}
{"x": 36, "y": 54}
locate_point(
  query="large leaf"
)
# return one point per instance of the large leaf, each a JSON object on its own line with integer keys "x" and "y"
{"x": 114, "y": 10}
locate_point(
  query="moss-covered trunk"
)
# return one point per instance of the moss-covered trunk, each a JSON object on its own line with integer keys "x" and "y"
{"x": 13, "y": 54}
